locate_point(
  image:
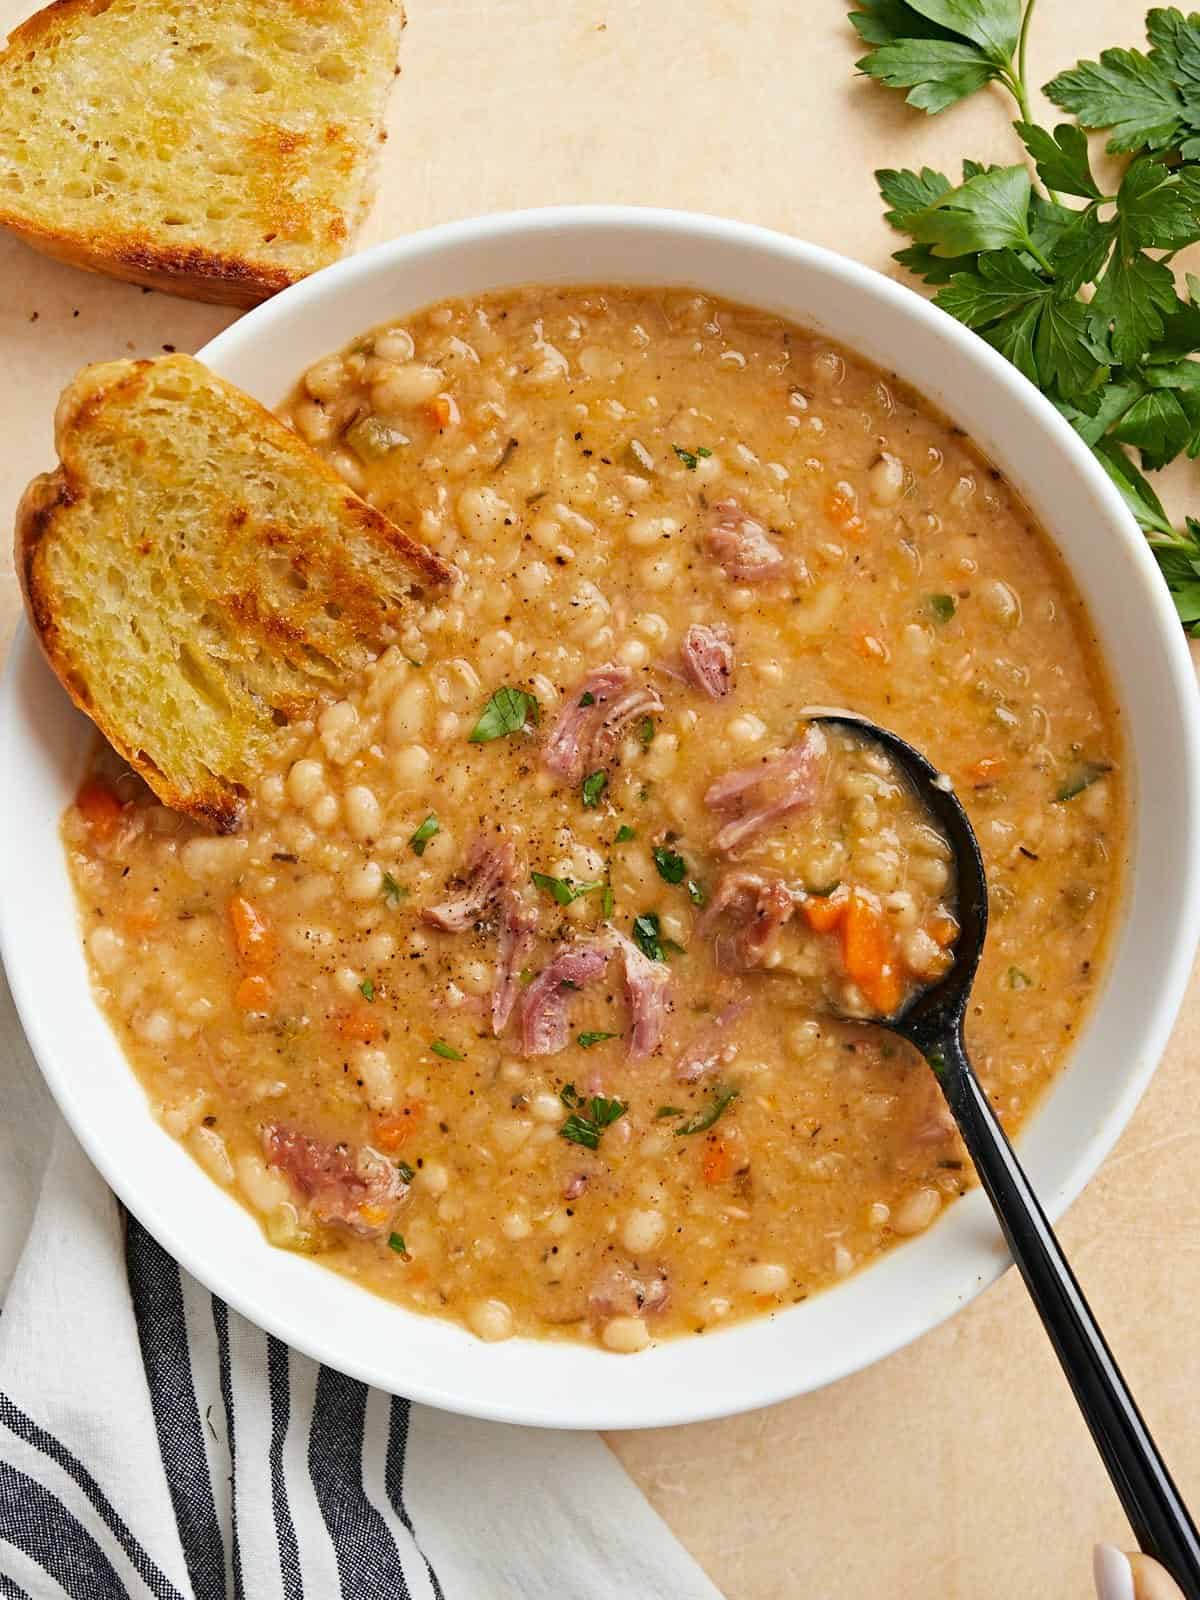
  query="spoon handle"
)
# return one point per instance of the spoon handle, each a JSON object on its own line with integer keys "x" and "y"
{"x": 1156, "y": 1512}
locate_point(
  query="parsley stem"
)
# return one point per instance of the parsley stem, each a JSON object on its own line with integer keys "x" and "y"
{"x": 1019, "y": 89}
{"x": 1037, "y": 255}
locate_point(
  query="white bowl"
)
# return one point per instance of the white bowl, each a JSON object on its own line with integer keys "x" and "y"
{"x": 913, "y": 1288}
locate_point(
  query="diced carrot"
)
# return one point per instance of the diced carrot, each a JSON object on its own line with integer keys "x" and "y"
{"x": 253, "y": 993}
{"x": 943, "y": 930}
{"x": 392, "y": 1132}
{"x": 867, "y": 952}
{"x": 443, "y": 411}
{"x": 864, "y": 939}
{"x": 252, "y": 934}
{"x": 887, "y": 990}
{"x": 986, "y": 770}
{"x": 718, "y": 1160}
{"x": 823, "y": 914}
{"x": 357, "y": 1026}
{"x": 99, "y": 808}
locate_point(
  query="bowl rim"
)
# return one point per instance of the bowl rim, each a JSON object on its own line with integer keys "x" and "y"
{"x": 588, "y": 1410}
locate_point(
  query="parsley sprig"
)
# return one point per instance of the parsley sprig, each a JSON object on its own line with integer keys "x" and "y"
{"x": 588, "y": 1117}
{"x": 1072, "y": 284}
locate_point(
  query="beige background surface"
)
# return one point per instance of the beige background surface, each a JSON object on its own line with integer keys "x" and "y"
{"x": 959, "y": 1467}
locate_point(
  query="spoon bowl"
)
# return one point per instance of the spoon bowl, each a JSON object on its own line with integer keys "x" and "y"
{"x": 933, "y": 1021}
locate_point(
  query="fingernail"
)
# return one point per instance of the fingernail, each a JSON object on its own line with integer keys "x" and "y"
{"x": 1112, "y": 1572}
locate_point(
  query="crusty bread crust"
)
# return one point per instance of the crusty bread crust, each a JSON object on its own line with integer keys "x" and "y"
{"x": 55, "y": 500}
{"x": 193, "y": 270}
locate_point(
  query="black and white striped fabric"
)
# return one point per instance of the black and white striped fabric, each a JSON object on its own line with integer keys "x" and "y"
{"x": 155, "y": 1444}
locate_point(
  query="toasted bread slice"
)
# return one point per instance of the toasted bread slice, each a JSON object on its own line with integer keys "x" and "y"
{"x": 219, "y": 149}
{"x": 196, "y": 574}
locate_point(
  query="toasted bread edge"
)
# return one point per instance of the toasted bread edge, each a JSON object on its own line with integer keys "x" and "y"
{"x": 52, "y": 494}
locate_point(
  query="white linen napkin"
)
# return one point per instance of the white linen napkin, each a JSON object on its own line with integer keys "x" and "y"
{"x": 154, "y": 1443}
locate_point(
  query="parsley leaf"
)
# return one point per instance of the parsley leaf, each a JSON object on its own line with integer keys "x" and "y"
{"x": 594, "y": 786}
{"x": 697, "y": 893}
{"x": 1083, "y": 777}
{"x": 646, "y": 730}
{"x": 647, "y": 935}
{"x": 1125, "y": 91}
{"x": 446, "y": 1051}
{"x": 396, "y": 1243}
{"x": 988, "y": 212}
{"x": 587, "y": 1040}
{"x": 691, "y": 458}
{"x": 406, "y": 1172}
{"x": 671, "y": 866}
{"x": 939, "y": 50}
{"x": 588, "y": 1118}
{"x": 367, "y": 989}
{"x": 704, "y": 1119}
{"x": 625, "y": 833}
{"x": 1061, "y": 158}
{"x": 942, "y": 606}
{"x": 424, "y": 833}
{"x": 392, "y": 891}
{"x": 508, "y": 711}
{"x": 564, "y": 890}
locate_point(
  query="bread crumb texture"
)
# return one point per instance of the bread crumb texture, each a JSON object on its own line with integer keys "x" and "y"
{"x": 217, "y": 148}
{"x": 197, "y": 575}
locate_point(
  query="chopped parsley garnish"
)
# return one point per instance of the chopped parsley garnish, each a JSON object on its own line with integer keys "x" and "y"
{"x": 588, "y": 1118}
{"x": 697, "y": 893}
{"x": 646, "y": 730}
{"x": 647, "y": 935}
{"x": 393, "y": 892}
{"x": 942, "y": 606}
{"x": 1018, "y": 979}
{"x": 1082, "y": 778}
{"x": 446, "y": 1051}
{"x": 671, "y": 866}
{"x": 691, "y": 458}
{"x": 587, "y": 1040}
{"x": 606, "y": 900}
{"x": 668, "y": 1111}
{"x": 564, "y": 890}
{"x": 367, "y": 989}
{"x": 424, "y": 833}
{"x": 704, "y": 1119}
{"x": 396, "y": 1243}
{"x": 508, "y": 711}
{"x": 594, "y": 786}
{"x": 406, "y": 1172}
{"x": 625, "y": 833}
{"x": 587, "y": 698}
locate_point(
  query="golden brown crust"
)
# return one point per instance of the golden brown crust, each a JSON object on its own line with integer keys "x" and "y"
{"x": 192, "y": 272}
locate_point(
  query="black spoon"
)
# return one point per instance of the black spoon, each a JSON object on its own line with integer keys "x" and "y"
{"x": 933, "y": 1021}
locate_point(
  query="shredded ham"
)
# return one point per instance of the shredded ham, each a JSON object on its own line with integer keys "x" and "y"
{"x": 575, "y": 1185}
{"x": 618, "y": 1292}
{"x": 639, "y": 700}
{"x": 568, "y": 744}
{"x": 712, "y": 1047}
{"x": 707, "y": 655}
{"x": 518, "y": 929}
{"x": 489, "y": 869}
{"x": 753, "y": 798}
{"x": 646, "y": 985}
{"x": 543, "y": 1009}
{"x": 748, "y": 909}
{"x": 358, "y": 1189}
{"x": 741, "y": 546}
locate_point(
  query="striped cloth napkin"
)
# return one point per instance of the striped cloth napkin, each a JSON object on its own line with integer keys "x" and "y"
{"x": 154, "y": 1443}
